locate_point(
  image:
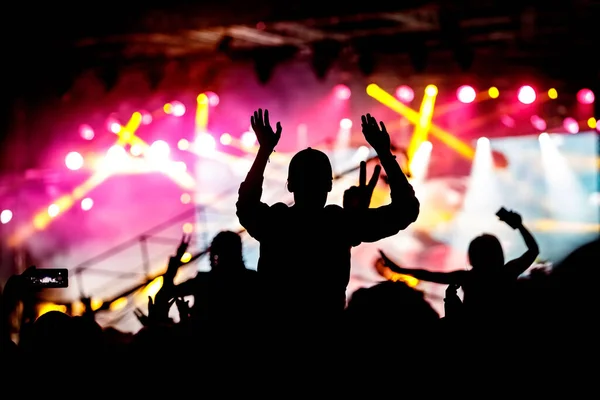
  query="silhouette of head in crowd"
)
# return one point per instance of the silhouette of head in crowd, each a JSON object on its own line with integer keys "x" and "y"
{"x": 226, "y": 252}
{"x": 485, "y": 251}
{"x": 310, "y": 178}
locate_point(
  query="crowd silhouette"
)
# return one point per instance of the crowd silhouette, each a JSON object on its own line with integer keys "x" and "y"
{"x": 291, "y": 316}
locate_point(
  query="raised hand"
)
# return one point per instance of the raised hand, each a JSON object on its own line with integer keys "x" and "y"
{"x": 375, "y": 134}
{"x": 156, "y": 313}
{"x": 359, "y": 197}
{"x": 267, "y": 138}
{"x": 175, "y": 260}
{"x": 183, "y": 306}
{"x": 511, "y": 218}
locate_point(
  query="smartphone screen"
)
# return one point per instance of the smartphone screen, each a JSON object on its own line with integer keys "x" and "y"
{"x": 50, "y": 278}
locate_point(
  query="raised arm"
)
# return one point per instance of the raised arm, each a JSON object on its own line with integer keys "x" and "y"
{"x": 249, "y": 208}
{"x": 447, "y": 278}
{"x": 378, "y": 223}
{"x": 522, "y": 263}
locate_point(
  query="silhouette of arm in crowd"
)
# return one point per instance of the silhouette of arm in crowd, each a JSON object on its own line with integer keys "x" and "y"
{"x": 373, "y": 224}
{"x": 452, "y": 303}
{"x": 250, "y": 210}
{"x": 519, "y": 265}
{"x": 445, "y": 278}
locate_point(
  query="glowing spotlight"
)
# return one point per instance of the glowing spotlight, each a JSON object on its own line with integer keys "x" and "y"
{"x": 431, "y": 90}
{"x": 552, "y": 94}
{"x": 248, "y": 140}
{"x": 115, "y": 127}
{"x": 526, "y": 95}
{"x": 483, "y": 142}
{"x": 168, "y": 108}
{"x": 6, "y": 216}
{"x": 225, "y": 139}
{"x": 213, "y": 98}
{"x": 538, "y": 123}
{"x": 592, "y": 123}
{"x": 178, "y": 109}
{"x": 86, "y": 132}
{"x": 74, "y": 161}
{"x": 205, "y": 144}
{"x": 188, "y": 228}
{"x": 346, "y": 123}
{"x": 493, "y": 92}
{"x": 159, "y": 150}
{"x": 466, "y": 94}
{"x": 202, "y": 98}
{"x": 146, "y": 117}
{"x": 87, "y": 204}
{"x": 342, "y": 92}
{"x": 185, "y": 198}
{"x": 571, "y": 125}
{"x": 136, "y": 150}
{"x": 585, "y": 96}
{"x": 405, "y": 94}
{"x": 116, "y": 158}
{"x": 543, "y": 137}
{"x": 426, "y": 146}
{"x": 53, "y": 210}
{"x": 183, "y": 145}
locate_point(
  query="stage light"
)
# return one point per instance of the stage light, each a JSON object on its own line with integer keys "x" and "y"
{"x": 552, "y": 94}
{"x": 213, "y": 98}
{"x": 544, "y": 137}
{"x": 225, "y": 139}
{"x": 431, "y": 90}
{"x": 136, "y": 150}
{"x": 86, "y": 132}
{"x": 53, "y": 210}
{"x": 346, "y": 123}
{"x": 87, "y": 204}
{"x": 74, "y": 161}
{"x": 405, "y": 94}
{"x": 146, "y": 117}
{"x": 493, "y": 92}
{"x": 571, "y": 125}
{"x": 538, "y": 123}
{"x": 168, "y": 108}
{"x": 248, "y": 140}
{"x": 183, "y": 145}
{"x": 585, "y": 96}
{"x": 188, "y": 228}
{"x": 6, "y": 216}
{"x": 592, "y": 123}
{"x": 185, "y": 198}
{"x": 526, "y": 95}
{"x": 178, "y": 109}
{"x": 115, "y": 127}
{"x": 342, "y": 92}
{"x": 202, "y": 99}
{"x": 205, "y": 144}
{"x": 159, "y": 150}
{"x": 483, "y": 142}
{"x": 466, "y": 94}
{"x": 116, "y": 158}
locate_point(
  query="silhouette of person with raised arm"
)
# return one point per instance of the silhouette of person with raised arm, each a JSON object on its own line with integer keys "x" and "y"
{"x": 485, "y": 285}
{"x": 304, "y": 263}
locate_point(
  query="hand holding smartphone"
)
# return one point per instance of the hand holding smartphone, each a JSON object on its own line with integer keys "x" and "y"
{"x": 511, "y": 218}
{"x": 47, "y": 278}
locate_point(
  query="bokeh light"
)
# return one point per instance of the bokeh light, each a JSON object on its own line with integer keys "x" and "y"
{"x": 6, "y": 216}
{"x": 405, "y": 93}
{"x": 74, "y": 161}
{"x": 213, "y": 98}
{"x": 493, "y": 92}
{"x": 526, "y": 95}
{"x": 225, "y": 139}
{"x": 87, "y": 204}
{"x": 86, "y": 132}
{"x": 53, "y": 210}
{"x": 466, "y": 94}
{"x": 342, "y": 92}
{"x": 346, "y": 123}
{"x": 206, "y": 144}
{"x": 159, "y": 150}
{"x": 585, "y": 96}
{"x": 571, "y": 125}
{"x": 178, "y": 109}
{"x": 552, "y": 94}
{"x": 431, "y": 90}
{"x": 248, "y": 140}
{"x": 183, "y": 144}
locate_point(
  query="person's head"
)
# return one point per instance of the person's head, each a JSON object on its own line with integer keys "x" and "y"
{"x": 486, "y": 251}
{"x": 310, "y": 178}
{"x": 226, "y": 251}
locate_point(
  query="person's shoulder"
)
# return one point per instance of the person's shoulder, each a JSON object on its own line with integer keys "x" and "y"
{"x": 280, "y": 206}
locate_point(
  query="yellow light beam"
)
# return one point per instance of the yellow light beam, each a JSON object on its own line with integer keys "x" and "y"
{"x": 423, "y": 125}
{"x": 201, "y": 113}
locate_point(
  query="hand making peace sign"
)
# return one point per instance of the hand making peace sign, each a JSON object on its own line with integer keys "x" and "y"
{"x": 359, "y": 197}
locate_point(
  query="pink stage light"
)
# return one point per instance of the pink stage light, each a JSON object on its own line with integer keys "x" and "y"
{"x": 342, "y": 92}
{"x": 6, "y": 216}
{"x": 74, "y": 161}
{"x": 466, "y": 94}
{"x": 86, "y": 132}
{"x": 159, "y": 150}
{"x": 146, "y": 117}
{"x": 526, "y": 95}
{"x": 213, "y": 98}
{"x": 177, "y": 109}
{"x": 87, "y": 204}
{"x": 346, "y": 123}
{"x": 571, "y": 125}
{"x": 538, "y": 123}
{"x": 405, "y": 93}
{"x": 585, "y": 96}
